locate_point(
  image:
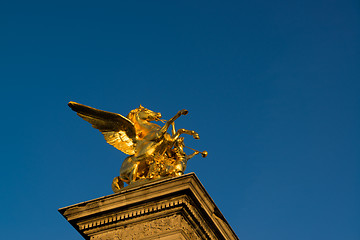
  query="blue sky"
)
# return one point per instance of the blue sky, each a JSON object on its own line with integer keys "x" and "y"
{"x": 272, "y": 87}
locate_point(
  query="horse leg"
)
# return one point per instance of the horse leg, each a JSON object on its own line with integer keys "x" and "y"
{"x": 133, "y": 173}
{"x": 185, "y": 131}
{"x": 164, "y": 129}
{"x": 173, "y": 130}
{"x": 117, "y": 184}
{"x": 129, "y": 169}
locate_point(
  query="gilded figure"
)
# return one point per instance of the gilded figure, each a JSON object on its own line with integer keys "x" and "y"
{"x": 154, "y": 152}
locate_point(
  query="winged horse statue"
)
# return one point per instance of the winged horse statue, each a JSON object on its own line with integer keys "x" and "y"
{"x": 154, "y": 152}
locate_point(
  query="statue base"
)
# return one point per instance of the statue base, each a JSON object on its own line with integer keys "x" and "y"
{"x": 164, "y": 209}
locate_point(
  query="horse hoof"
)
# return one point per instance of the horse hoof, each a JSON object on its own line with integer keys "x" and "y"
{"x": 196, "y": 136}
{"x": 184, "y": 112}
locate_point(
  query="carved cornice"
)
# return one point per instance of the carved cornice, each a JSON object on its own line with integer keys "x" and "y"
{"x": 184, "y": 196}
{"x": 129, "y": 214}
{"x": 114, "y": 219}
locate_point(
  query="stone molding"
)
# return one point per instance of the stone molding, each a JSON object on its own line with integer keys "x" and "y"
{"x": 130, "y": 214}
{"x": 118, "y": 218}
{"x": 159, "y": 203}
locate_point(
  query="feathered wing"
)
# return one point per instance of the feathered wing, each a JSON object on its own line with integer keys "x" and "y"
{"x": 118, "y": 130}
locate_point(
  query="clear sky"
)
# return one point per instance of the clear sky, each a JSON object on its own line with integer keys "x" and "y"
{"x": 272, "y": 87}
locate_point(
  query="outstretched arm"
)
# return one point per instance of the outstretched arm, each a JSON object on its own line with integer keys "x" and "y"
{"x": 192, "y": 155}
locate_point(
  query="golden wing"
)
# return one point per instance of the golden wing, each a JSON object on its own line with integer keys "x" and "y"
{"x": 118, "y": 130}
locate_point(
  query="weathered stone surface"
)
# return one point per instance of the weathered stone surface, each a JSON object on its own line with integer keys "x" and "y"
{"x": 173, "y": 208}
{"x": 172, "y": 227}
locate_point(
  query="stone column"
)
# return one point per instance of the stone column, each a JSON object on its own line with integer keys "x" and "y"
{"x": 165, "y": 209}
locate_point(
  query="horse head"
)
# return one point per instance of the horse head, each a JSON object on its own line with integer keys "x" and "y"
{"x": 144, "y": 114}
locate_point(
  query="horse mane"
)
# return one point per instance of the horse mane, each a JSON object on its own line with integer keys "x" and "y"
{"x": 132, "y": 114}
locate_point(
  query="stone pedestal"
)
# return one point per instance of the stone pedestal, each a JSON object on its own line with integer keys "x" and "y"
{"x": 166, "y": 209}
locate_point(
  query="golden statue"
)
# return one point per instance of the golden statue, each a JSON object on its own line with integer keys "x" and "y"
{"x": 154, "y": 153}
